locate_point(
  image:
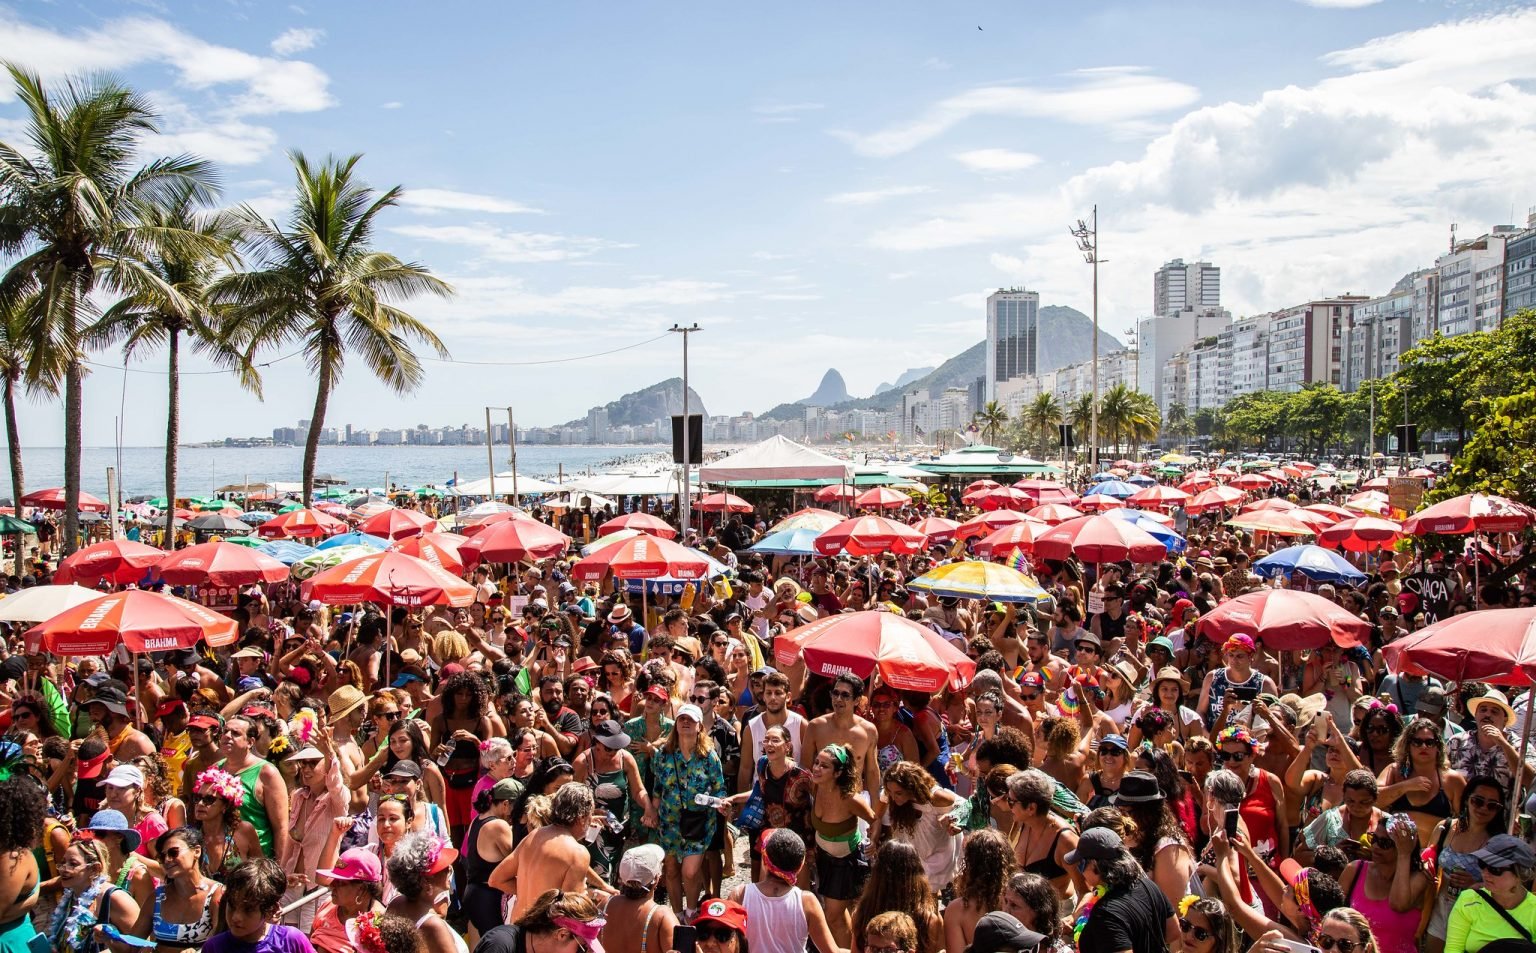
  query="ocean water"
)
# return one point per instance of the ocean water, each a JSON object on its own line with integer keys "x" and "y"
{"x": 202, "y": 469}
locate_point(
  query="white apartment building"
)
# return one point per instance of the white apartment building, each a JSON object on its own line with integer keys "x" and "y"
{"x": 1013, "y": 326}
{"x": 1160, "y": 338}
{"x": 1306, "y": 343}
{"x": 1243, "y": 349}
{"x": 1185, "y": 287}
{"x": 1471, "y": 283}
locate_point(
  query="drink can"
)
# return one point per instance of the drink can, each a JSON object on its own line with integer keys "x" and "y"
{"x": 1526, "y": 825}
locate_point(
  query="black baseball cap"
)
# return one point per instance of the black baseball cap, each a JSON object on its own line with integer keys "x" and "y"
{"x": 1000, "y": 932}
{"x": 1099, "y": 843}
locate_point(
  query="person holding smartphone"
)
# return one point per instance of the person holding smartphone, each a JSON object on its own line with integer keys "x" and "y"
{"x": 1226, "y": 691}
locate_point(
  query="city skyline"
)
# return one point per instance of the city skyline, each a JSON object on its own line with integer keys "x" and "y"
{"x": 859, "y": 217}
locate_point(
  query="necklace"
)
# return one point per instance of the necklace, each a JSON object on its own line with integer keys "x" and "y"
{"x": 1087, "y": 911}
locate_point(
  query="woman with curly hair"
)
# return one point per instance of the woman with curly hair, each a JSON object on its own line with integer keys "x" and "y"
{"x": 898, "y": 882}
{"x": 28, "y": 714}
{"x": 464, "y": 719}
{"x": 988, "y": 863}
{"x": 228, "y": 839}
{"x": 381, "y": 933}
{"x": 156, "y": 791}
{"x": 1065, "y": 754}
{"x": 618, "y": 679}
{"x": 1420, "y": 782}
{"x": 1160, "y": 844}
{"x": 420, "y": 870}
{"x": 915, "y": 809}
{"x": 835, "y": 814}
{"x": 23, "y": 805}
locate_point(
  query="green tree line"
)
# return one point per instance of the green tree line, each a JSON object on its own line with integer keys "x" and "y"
{"x": 102, "y": 246}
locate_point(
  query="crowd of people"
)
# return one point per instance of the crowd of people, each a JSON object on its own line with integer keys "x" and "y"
{"x": 563, "y": 767}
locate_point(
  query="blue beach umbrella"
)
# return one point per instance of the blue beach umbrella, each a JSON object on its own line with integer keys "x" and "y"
{"x": 1101, "y": 477}
{"x": 355, "y": 539}
{"x": 787, "y": 542}
{"x": 1116, "y": 488}
{"x": 1159, "y": 532}
{"x": 1141, "y": 479}
{"x": 285, "y": 551}
{"x": 1314, "y": 562}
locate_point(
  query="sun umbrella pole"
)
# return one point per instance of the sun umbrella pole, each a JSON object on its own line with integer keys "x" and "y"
{"x": 138, "y": 706}
{"x": 1519, "y": 768}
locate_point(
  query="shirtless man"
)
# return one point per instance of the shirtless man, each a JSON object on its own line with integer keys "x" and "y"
{"x": 1052, "y": 668}
{"x": 347, "y": 712}
{"x": 842, "y": 726}
{"x": 775, "y": 701}
{"x": 203, "y": 733}
{"x": 554, "y": 857}
{"x": 191, "y": 668}
{"x": 109, "y": 711}
{"x": 636, "y": 921}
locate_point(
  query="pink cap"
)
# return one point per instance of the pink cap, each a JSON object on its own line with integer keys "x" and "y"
{"x": 355, "y": 864}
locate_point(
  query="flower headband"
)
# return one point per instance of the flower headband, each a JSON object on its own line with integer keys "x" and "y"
{"x": 222, "y": 784}
{"x": 1185, "y": 903}
{"x": 1302, "y": 890}
{"x": 1375, "y": 703}
{"x": 1235, "y": 733}
{"x": 1238, "y": 643}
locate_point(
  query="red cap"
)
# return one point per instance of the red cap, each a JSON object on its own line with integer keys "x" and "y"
{"x": 91, "y": 767}
{"x": 727, "y": 913}
{"x": 658, "y": 693}
{"x": 166, "y": 707}
{"x": 1032, "y": 680}
{"x": 583, "y": 664}
{"x": 202, "y": 721}
{"x": 451, "y": 669}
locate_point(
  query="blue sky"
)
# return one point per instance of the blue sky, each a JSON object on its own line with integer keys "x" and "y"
{"x": 815, "y": 184}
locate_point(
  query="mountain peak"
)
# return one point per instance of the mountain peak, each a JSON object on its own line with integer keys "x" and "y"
{"x": 831, "y": 391}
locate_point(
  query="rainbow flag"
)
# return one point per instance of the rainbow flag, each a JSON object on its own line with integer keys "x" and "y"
{"x": 1017, "y": 561}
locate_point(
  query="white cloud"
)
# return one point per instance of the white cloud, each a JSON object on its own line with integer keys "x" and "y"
{"x": 784, "y": 112}
{"x": 623, "y": 307}
{"x": 392, "y": 104}
{"x": 1339, "y": 4}
{"x": 297, "y": 40}
{"x": 875, "y": 196}
{"x": 936, "y": 64}
{"x": 229, "y": 143}
{"x": 439, "y": 200}
{"x": 785, "y": 296}
{"x": 269, "y": 85}
{"x": 1096, "y": 96}
{"x": 997, "y": 161}
{"x": 502, "y": 245}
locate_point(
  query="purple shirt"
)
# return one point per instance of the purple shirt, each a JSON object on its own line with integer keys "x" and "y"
{"x": 279, "y": 939}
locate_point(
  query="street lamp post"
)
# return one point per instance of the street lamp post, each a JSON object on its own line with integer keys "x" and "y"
{"x": 685, "y": 506}
{"x": 490, "y": 457}
{"x": 1087, "y": 235}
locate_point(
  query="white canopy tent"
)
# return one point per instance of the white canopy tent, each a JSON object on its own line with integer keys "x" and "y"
{"x": 664, "y": 483}
{"x": 777, "y": 458}
{"x": 525, "y": 486}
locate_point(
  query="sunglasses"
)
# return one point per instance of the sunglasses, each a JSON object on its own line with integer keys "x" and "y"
{"x": 842, "y": 694}
{"x": 1200, "y": 934}
{"x": 1226, "y": 756}
{"x": 1326, "y": 942}
{"x": 1379, "y": 730}
{"x": 700, "y": 699}
{"x": 1425, "y": 742}
{"x": 1029, "y": 696}
{"x": 208, "y": 799}
{"x": 1379, "y": 839}
{"x": 717, "y": 934}
{"x": 1088, "y": 649}
{"x": 1495, "y": 870}
{"x": 391, "y": 715}
{"x": 1485, "y": 803}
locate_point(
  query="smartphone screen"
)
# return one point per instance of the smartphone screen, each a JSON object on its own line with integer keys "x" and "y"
{"x": 684, "y": 939}
{"x": 1231, "y": 821}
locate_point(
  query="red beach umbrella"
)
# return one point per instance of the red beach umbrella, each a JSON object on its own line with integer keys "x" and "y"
{"x": 1493, "y": 645}
{"x": 1005, "y": 498}
{"x": 514, "y": 541}
{"x": 1046, "y": 495}
{"x": 1214, "y": 499}
{"x": 644, "y": 522}
{"x": 937, "y": 528}
{"x": 119, "y": 560}
{"x": 304, "y": 523}
{"x": 642, "y": 557}
{"x": 395, "y": 523}
{"x": 722, "y": 503}
{"x": 1470, "y": 513}
{"x": 1099, "y": 539}
{"x": 1158, "y": 496}
{"x": 1099, "y": 502}
{"x": 141, "y": 620}
{"x": 906, "y": 655}
{"x": 1361, "y": 534}
{"x": 835, "y": 493}
{"x": 1251, "y": 481}
{"x": 220, "y": 564}
{"x": 881, "y": 498}
{"x": 1054, "y": 513}
{"x": 53, "y": 499}
{"x": 1286, "y": 619}
{"x": 439, "y": 549}
{"x": 1020, "y": 535}
{"x": 389, "y": 578}
{"x": 1271, "y": 503}
{"x": 868, "y": 535}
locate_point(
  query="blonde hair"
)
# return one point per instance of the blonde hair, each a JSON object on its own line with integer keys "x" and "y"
{"x": 536, "y": 811}
{"x": 895, "y": 926}
{"x": 1356, "y": 921}
{"x": 450, "y": 646}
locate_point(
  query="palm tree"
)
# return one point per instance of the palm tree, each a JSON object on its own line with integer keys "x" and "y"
{"x": 1042, "y": 416}
{"x": 149, "y": 318}
{"x": 1115, "y": 409}
{"x": 1143, "y": 421}
{"x": 13, "y": 371}
{"x": 318, "y": 282}
{"x": 990, "y": 419}
{"x": 1080, "y": 415}
{"x": 1178, "y": 423}
{"x": 72, "y": 208}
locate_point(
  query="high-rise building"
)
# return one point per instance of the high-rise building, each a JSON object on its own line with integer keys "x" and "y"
{"x": 1185, "y": 287}
{"x": 1306, "y": 343}
{"x": 1471, "y": 285}
{"x": 1244, "y": 354}
{"x": 1162, "y": 336}
{"x": 1520, "y": 269}
{"x": 1013, "y": 326}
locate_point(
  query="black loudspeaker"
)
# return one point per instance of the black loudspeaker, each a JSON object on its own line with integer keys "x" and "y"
{"x": 695, "y": 438}
{"x": 1065, "y": 432}
{"x": 1407, "y": 438}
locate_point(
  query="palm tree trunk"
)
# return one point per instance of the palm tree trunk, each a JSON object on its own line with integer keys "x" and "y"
{"x": 74, "y": 387}
{"x": 13, "y": 435}
{"x": 316, "y": 423}
{"x": 172, "y": 434}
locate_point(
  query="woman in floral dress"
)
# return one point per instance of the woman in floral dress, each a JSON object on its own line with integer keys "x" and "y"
{"x": 685, "y": 767}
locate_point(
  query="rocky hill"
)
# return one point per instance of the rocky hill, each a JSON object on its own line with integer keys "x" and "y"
{"x": 649, "y": 404}
{"x": 831, "y": 391}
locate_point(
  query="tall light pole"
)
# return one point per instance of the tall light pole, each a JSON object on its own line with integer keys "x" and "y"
{"x": 490, "y": 457}
{"x": 1087, "y": 235}
{"x": 686, "y": 505}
